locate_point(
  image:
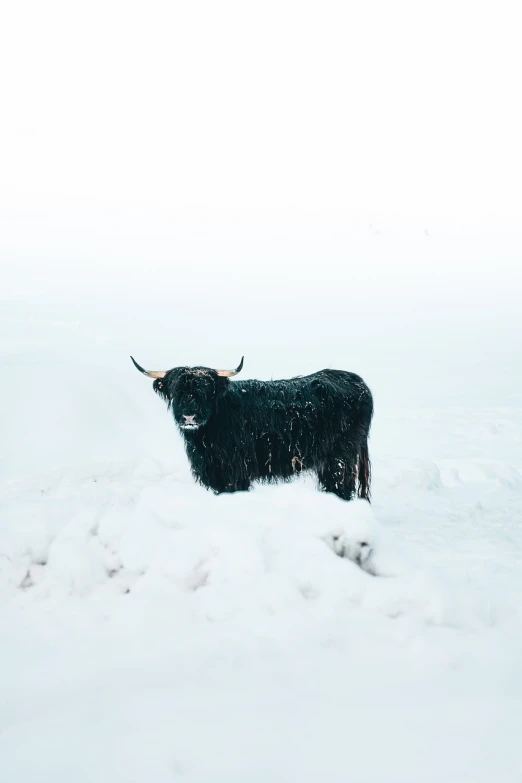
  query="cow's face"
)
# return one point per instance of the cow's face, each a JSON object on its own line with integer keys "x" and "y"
{"x": 190, "y": 393}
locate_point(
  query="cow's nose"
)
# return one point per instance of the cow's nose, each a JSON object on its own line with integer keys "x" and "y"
{"x": 189, "y": 419}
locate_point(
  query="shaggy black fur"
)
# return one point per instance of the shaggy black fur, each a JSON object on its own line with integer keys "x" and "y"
{"x": 245, "y": 431}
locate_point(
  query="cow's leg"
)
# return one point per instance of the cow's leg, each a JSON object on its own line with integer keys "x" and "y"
{"x": 218, "y": 482}
{"x": 220, "y": 487}
{"x": 237, "y": 486}
{"x": 339, "y": 474}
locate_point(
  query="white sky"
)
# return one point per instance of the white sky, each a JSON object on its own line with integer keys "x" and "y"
{"x": 367, "y": 111}
{"x": 191, "y": 182}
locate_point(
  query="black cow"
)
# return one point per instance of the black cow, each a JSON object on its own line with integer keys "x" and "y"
{"x": 236, "y": 433}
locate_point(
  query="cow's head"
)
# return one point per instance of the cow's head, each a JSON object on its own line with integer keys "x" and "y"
{"x": 189, "y": 391}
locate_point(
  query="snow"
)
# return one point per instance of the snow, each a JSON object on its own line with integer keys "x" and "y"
{"x": 152, "y": 631}
{"x": 313, "y": 185}
{"x": 222, "y": 638}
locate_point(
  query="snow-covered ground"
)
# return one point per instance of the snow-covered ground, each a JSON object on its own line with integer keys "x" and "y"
{"x": 150, "y": 631}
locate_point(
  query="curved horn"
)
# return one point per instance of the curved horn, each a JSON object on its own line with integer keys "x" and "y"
{"x": 230, "y": 373}
{"x": 150, "y": 373}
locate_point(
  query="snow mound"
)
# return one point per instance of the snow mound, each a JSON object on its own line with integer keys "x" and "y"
{"x": 149, "y": 616}
{"x": 250, "y": 557}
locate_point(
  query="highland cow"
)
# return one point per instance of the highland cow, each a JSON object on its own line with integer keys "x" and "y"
{"x": 237, "y": 433}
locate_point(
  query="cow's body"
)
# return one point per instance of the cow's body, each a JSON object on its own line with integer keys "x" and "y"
{"x": 239, "y": 432}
